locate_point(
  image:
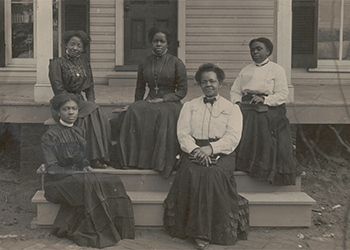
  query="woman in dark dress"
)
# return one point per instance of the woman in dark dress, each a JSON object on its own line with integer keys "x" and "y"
{"x": 72, "y": 74}
{"x": 203, "y": 202}
{"x": 266, "y": 150}
{"x": 95, "y": 209}
{"x": 148, "y": 134}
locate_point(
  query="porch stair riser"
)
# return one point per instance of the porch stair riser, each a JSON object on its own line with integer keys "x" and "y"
{"x": 269, "y": 206}
{"x": 122, "y": 79}
{"x": 149, "y": 180}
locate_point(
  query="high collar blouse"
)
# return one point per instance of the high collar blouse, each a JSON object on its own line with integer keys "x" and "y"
{"x": 68, "y": 75}
{"x": 222, "y": 121}
{"x": 166, "y": 72}
{"x": 269, "y": 79}
{"x": 64, "y": 148}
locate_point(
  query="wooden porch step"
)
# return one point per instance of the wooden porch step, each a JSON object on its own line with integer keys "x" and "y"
{"x": 149, "y": 180}
{"x": 277, "y": 209}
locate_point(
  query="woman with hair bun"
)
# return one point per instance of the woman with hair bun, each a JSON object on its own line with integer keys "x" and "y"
{"x": 266, "y": 150}
{"x": 95, "y": 208}
{"x": 148, "y": 133}
{"x": 72, "y": 74}
{"x": 203, "y": 203}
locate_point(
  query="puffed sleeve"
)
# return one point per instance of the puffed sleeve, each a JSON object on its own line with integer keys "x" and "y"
{"x": 280, "y": 91}
{"x": 180, "y": 83}
{"x": 236, "y": 92}
{"x": 55, "y": 76}
{"x": 140, "y": 84}
{"x": 187, "y": 142}
{"x": 49, "y": 149}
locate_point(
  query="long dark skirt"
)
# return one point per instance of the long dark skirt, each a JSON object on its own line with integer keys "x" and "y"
{"x": 266, "y": 149}
{"x": 203, "y": 203}
{"x": 148, "y": 136}
{"x": 98, "y": 131}
{"x": 95, "y": 209}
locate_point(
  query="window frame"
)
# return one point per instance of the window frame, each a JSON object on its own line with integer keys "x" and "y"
{"x": 332, "y": 65}
{"x": 9, "y": 61}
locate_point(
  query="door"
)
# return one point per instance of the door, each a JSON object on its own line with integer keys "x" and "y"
{"x": 139, "y": 17}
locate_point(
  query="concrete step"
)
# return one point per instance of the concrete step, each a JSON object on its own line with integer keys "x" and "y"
{"x": 277, "y": 209}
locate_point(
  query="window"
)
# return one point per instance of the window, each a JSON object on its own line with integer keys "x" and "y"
{"x": 19, "y": 30}
{"x": 321, "y": 35}
{"x": 334, "y": 35}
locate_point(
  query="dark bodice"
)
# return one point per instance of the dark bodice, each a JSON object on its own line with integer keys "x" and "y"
{"x": 170, "y": 74}
{"x": 71, "y": 75}
{"x": 64, "y": 148}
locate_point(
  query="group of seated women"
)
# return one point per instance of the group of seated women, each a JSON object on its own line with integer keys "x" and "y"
{"x": 205, "y": 141}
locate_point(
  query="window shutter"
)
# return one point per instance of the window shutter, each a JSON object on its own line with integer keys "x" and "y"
{"x": 2, "y": 34}
{"x": 75, "y": 16}
{"x": 304, "y": 33}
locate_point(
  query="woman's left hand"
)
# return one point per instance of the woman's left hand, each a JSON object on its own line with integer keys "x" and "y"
{"x": 256, "y": 99}
{"x": 202, "y": 155}
{"x": 156, "y": 100}
{"x": 87, "y": 169}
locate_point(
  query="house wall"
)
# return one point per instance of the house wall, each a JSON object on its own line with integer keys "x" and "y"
{"x": 220, "y": 31}
{"x": 215, "y": 31}
{"x": 103, "y": 35}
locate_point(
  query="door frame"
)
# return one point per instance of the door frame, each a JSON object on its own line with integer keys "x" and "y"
{"x": 119, "y": 32}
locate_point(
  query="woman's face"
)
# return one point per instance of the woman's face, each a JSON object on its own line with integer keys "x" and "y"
{"x": 159, "y": 43}
{"x": 75, "y": 46}
{"x": 69, "y": 112}
{"x": 259, "y": 52}
{"x": 210, "y": 84}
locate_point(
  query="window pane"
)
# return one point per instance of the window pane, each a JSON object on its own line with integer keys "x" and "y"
{"x": 328, "y": 29}
{"x": 22, "y": 28}
{"x": 346, "y": 32}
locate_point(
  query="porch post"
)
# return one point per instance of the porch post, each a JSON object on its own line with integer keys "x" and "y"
{"x": 44, "y": 52}
{"x": 119, "y": 32}
{"x": 181, "y": 27}
{"x": 284, "y": 41}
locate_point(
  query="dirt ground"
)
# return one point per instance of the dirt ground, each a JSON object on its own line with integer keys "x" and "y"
{"x": 17, "y": 211}
{"x": 327, "y": 184}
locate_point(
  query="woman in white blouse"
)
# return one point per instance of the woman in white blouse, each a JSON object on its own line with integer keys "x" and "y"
{"x": 266, "y": 150}
{"x": 203, "y": 203}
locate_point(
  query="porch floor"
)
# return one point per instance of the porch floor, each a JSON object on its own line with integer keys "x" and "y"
{"x": 312, "y": 103}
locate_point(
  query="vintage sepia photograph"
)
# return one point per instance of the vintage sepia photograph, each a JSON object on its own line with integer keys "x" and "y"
{"x": 175, "y": 124}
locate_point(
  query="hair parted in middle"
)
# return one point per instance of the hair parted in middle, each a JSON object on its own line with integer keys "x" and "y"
{"x": 264, "y": 40}
{"x": 85, "y": 38}
{"x": 156, "y": 30}
{"x": 59, "y": 100}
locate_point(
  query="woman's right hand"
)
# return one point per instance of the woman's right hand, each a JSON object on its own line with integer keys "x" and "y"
{"x": 87, "y": 169}
{"x": 202, "y": 155}
{"x": 156, "y": 100}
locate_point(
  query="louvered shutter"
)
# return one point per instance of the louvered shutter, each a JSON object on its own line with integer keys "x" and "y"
{"x": 2, "y": 34}
{"x": 75, "y": 16}
{"x": 304, "y": 33}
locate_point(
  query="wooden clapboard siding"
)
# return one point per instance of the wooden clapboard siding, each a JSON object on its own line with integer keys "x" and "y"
{"x": 220, "y": 31}
{"x": 102, "y": 32}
